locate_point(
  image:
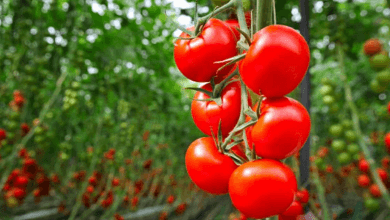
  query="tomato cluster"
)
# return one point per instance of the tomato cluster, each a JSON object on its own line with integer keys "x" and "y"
{"x": 380, "y": 62}
{"x": 246, "y": 164}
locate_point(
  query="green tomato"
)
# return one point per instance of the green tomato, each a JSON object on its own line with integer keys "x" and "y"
{"x": 371, "y": 204}
{"x": 338, "y": 145}
{"x": 12, "y": 125}
{"x": 328, "y": 100}
{"x": 38, "y": 130}
{"x": 326, "y": 81}
{"x": 336, "y": 130}
{"x": 376, "y": 86}
{"x": 344, "y": 158}
{"x": 350, "y": 135}
{"x": 379, "y": 62}
{"x": 383, "y": 77}
{"x": 353, "y": 149}
{"x": 326, "y": 90}
{"x": 347, "y": 123}
{"x": 39, "y": 139}
{"x": 356, "y": 157}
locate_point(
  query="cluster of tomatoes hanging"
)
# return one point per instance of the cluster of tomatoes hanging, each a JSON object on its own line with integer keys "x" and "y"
{"x": 244, "y": 145}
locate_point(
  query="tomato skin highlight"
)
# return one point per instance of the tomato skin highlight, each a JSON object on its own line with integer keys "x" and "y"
{"x": 196, "y": 58}
{"x": 207, "y": 114}
{"x": 276, "y": 61}
{"x": 282, "y": 129}
{"x": 262, "y": 188}
{"x": 209, "y": 169}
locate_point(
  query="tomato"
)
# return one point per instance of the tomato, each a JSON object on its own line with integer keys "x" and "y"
{"x": 196, "y": 58}
{"x": 233, "y": 24}
{"x": 372, "y": 47}
{"x": 239, "y": 150}
{"x": 363, "y": 180}
{"x": 382, "y": 174}
{"x": 207, "y": 114}
{"x": 209, "y": 169}
{"x": 344, "y": 158}
{"x": 372, "y": 204}
{"x": 387, "y": 141}
{"x": 294, "y": 209}
{"x": 336, "y": 130}
{"x": 262, "y": 188}
{"x": 375, "y": 191}
{"x": 282, "y": 129}
{"x": 276, "y": 61}
{"x": 363, "y": 165}
{"x": 303, "y": 196}
{"x": 338, "y": 145}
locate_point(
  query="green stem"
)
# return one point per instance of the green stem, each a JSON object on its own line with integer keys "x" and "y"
{"x": 356, "y": 126}
{"x": 265, "y": 16}
{"x": 202, "y": 20}
{"x": 241, "y": 18}
{"x": 321, "y": 196}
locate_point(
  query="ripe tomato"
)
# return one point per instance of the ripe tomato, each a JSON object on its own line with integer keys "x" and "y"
{"x": 375, "y": 191}
{"x": 196, "y": 58}
{"x": 262, "y": 188}
{"x": 294, "y": 209}
{"x": 363, "y": 165}
{"x": 282, "y": 129}
{"x": 387, "y": 142}
{"x": 363, "y": 180}
{"x": 303, "y": 196}
{"x": 382, "y": 174}
{"x": 276, "y": 61}
{"x": 207, "y": 114}
{"x": 372, "y": 47}
{"x": 233, "y": 24}
{"x": 209, "y": 169}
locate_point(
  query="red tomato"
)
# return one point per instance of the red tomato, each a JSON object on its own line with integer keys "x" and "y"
{"x": 209, "y": 169}
{"x": 375, "y": 191}
{"x": 207, "y": 114}
{"x": 196, "y": 58}
{"x": 382, "y": 174}
{"x": 363, "y": 180}
{"x": 262, "y": 188}
{"x": 363, "y": 165}
{"x": 294, "y": 209}
{"x": 303, "y": 196}
{"x": 233, "y": 24}
{"x": 282, "y": 129}
{"x": 387, "y": 141}
{"x": 239, "y": 150}
{"x": 276, "y": 61}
